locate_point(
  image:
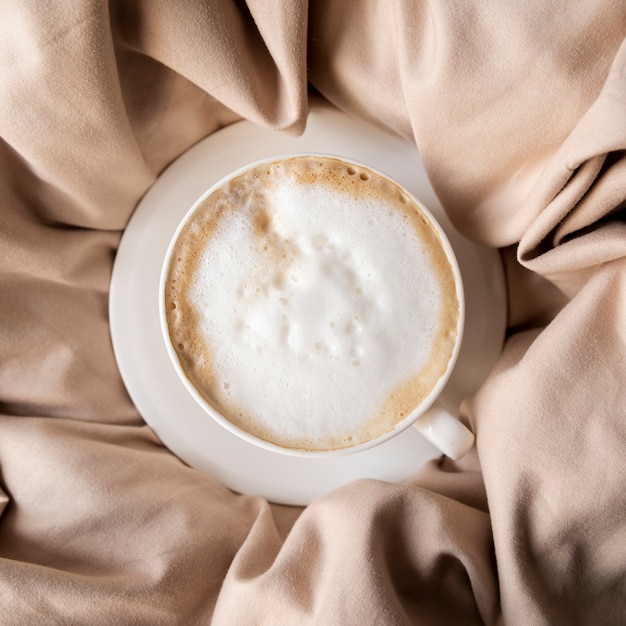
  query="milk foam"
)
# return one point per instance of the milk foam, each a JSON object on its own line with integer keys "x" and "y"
{"x": 309, "y": 313}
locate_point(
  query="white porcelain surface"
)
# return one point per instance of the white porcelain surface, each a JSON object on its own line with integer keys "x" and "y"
{"x": 150, "y": 378}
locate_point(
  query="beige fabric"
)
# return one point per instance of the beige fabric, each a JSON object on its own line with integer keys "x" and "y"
{"x": 519, "y": 110}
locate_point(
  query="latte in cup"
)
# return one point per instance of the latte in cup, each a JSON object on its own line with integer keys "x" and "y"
{"x": 312, "y": 303}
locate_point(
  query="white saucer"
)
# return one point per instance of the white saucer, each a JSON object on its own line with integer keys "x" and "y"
{"x": 144, "y": 364}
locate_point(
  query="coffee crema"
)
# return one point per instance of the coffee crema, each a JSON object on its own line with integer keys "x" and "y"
{"x": 312, "y": 303}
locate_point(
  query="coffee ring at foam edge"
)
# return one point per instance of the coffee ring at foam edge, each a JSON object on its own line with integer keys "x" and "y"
{"x": 312, "y": 302}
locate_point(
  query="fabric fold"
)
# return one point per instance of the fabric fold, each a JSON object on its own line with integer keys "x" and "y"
{"x": 351, "y": 557}
{"x": 583, "y": 225}
{"x": 253, "y": 57}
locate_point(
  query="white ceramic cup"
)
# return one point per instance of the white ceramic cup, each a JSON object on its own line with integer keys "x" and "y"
{"x": 429, "y": 417}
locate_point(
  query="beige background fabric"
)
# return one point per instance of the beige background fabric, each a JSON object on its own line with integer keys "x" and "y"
{"x": 519, "y": 111}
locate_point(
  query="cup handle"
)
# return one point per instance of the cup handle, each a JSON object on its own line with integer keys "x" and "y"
{"x": 445, "y": 432}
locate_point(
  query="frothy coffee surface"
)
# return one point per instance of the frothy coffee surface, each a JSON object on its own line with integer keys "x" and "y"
{"x": 311, "y": 303}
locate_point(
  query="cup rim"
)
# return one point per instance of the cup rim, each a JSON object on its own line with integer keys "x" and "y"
{"x": 216, "y": 415}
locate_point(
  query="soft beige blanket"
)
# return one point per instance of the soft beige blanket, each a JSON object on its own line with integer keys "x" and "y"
{"x": 519, "y": 111}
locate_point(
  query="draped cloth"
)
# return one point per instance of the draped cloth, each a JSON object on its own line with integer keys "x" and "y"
{"x": 519, "y": 113}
